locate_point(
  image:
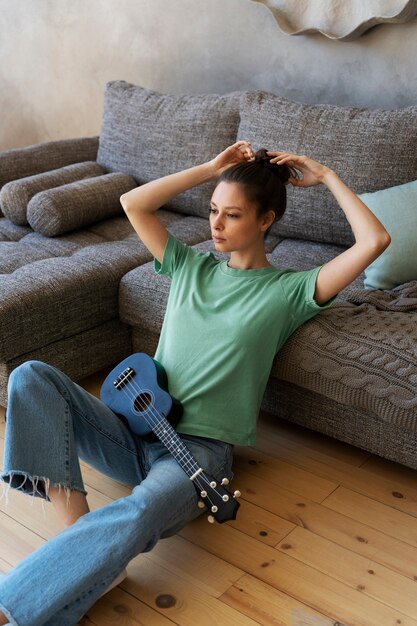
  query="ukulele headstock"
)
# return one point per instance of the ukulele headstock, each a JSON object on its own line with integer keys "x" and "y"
{"x": 221, "y": 504}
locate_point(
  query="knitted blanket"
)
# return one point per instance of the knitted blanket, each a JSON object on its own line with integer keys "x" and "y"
{"x": 361, "y": 351}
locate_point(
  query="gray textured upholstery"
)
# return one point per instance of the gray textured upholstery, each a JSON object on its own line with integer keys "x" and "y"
{"x": 76, "y": 204}
{"x": 22, "y": 162}
{"x": 15, "y": 195}
{"x": 78, "y": 355}
{"x": 68, "y": 285}
{"x": 70, "y": 290}
{"x": 147, "y": 135}
{"x": 369, "y": 149}
{"x": 12, "y": 232}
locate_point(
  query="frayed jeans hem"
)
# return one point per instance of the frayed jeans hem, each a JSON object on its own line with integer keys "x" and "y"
{"x": 35, "y": 486}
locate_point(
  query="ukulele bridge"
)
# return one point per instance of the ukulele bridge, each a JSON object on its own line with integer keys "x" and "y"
{"x": 124, "y": 378}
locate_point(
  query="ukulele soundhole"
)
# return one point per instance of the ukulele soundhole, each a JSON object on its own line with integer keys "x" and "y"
{"x": 142, "y": 402}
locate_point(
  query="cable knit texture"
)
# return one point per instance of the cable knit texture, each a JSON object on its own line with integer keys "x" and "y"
{"x": 361, "y": 352}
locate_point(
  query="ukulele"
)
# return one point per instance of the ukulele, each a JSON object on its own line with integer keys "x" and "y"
{"x": 137, "y": 390}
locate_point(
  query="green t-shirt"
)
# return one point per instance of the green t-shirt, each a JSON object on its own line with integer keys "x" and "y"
{"x": 221, "y": 332}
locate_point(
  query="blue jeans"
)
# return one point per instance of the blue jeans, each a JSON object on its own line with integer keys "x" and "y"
{"x": 51, "y": 422}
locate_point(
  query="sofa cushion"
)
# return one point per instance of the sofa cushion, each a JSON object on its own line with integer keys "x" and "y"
{"x": 15, "y": 195}
{"x": 148, "y": 135}
{"x": 369, "y": 149}
{"x": 62, "y": 209}
{"x": 396, "y": 208}
{"x": 12, "y": 232}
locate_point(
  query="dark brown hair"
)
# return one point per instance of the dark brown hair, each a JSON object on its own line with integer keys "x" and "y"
{"x": 263, "y": 182}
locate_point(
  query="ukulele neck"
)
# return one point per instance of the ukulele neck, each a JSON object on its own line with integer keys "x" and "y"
{"x": 171, "y": 440}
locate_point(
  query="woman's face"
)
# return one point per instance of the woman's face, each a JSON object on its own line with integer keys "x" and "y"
{"x": 234, "y": 221}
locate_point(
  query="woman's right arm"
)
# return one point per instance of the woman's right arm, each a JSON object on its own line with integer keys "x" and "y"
{"x": 140, "y": 204}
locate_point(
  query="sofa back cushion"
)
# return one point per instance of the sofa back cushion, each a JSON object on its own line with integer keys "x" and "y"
{"x": 146, "y": 134}
{"x": 369, "y": 150}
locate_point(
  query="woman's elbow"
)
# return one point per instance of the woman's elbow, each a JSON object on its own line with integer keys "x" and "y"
{"x": 385, "y": 240}
{"x": 124, "y": 202}
{"x": 379, "y": 244}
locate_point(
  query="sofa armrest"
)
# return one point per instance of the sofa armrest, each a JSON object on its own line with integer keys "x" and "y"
{"x": 20, "y": 162}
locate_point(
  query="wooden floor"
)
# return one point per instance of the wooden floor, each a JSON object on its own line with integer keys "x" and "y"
{"x": 326, "y": 536}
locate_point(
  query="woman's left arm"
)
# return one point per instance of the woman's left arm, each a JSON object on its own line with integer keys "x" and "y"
{"x": 371, "y": 238}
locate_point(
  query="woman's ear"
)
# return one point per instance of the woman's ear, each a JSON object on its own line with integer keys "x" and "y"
{"x": 267, "y": 220}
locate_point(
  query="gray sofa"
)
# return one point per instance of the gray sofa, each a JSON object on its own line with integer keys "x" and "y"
{"x": 78, "y": 288}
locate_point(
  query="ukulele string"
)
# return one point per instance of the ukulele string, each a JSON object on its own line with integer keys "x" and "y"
{"x": 156, "y": 419}
{"x": 132, "y": 397}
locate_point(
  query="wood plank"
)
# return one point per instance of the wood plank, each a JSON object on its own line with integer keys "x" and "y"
{"x": 4, "y": 566}
{"x": 118, "y": 608}
{"x": 358, "y": 536}
{"x": 192, "y": 564}
{"x": 271, "y": 607}
{"x": 262, "y": 524}
{"x": 181, "y": 601}
{"x": 390, "y": 492}
{"x": 281, "y": 473}
{"x": 306, "y": 584}
{"x": 358, "y": 572}
{"x": 16, "y": 541}
{"x": 375, "y": 514}
{"x": 391, "y": 470}
{"x": 310, "y": 443}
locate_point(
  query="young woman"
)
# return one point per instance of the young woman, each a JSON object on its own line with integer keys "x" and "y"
{"x": 224, "y": 323}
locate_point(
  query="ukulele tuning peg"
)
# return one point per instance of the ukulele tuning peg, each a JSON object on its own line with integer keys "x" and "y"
{"x": 225, "y": 481}
{"x": 237, "y": 494}
{"x": 203, "y": 494}
{"x": 201, "y": 504}
{"x": 210, "y": 518}
{"x": 214, "y": 509}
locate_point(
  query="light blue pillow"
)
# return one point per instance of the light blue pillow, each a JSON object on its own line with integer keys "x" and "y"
{"x": 396, "y": 209}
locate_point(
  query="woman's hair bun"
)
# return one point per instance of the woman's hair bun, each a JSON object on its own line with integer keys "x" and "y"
{"x": 283, "y": 172}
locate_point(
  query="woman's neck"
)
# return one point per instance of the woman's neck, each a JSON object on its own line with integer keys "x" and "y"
{"x": 248, "y": 260}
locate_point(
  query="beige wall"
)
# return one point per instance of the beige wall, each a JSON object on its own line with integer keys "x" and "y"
{"x": 57, "y": 55}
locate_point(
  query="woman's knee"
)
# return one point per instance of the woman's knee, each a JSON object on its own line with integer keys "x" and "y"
{"x": 28, "y": 374}
{"x": 32, "y": 386}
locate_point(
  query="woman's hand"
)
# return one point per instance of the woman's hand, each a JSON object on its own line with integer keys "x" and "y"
{"x": 239, "y": 152}
{"x": 313, "y": 172}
